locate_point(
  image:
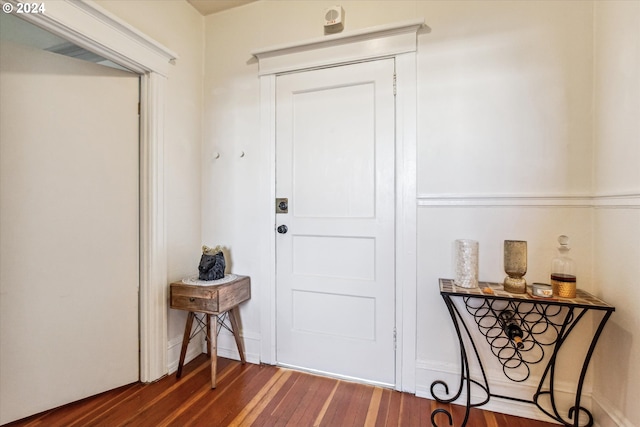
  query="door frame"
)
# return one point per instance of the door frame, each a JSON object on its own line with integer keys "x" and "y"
{"x": 95, "y": 29}
{"x": 398, "y": 41}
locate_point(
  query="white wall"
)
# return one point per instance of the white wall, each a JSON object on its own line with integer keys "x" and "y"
{"x": 504, "y": 152}
{"x": 505, "y": 142}
{"x": 525, "y": 111}
{"x": 509, "y": 148}
{"x": 179, "y": 27}
{"x": 617, "y": 222}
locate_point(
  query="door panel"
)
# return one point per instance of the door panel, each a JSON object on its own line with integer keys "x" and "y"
{"x": 69, "y": 230}
{"x": 335, "y": 302}
{"x": 312, "y": 255}
{"x": 332, "y": 141}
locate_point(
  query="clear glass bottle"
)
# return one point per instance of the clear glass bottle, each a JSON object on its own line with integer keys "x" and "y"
{"x": 563, "y": 271}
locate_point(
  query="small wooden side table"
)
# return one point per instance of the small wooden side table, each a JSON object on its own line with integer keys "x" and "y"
{"x": 213, "y": 301}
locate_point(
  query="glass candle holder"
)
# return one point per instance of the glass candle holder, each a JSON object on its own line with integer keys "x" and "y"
{"x": 466, "y": 263}
{"x": 515, "y": 265}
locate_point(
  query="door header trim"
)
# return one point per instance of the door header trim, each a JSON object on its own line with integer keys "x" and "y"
{"x": 358, "y": 45}
{"x": 87, "y": 25}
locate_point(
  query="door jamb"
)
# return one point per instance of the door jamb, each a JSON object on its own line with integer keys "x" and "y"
{"x": 95, "y": 29}
{"x": 397, "y": 41}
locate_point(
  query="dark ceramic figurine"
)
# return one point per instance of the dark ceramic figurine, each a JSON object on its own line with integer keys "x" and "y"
{"x": 212, "y": 264}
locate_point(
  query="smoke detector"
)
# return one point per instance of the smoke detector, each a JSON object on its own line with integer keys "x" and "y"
{"x": 333, "y": 20}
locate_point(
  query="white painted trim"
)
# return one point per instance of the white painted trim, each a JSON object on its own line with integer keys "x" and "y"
{"x": 360, "y": 45}
{"x": 496, "y": 200}
{"x": 398, "y": 41}
{"x": 268, "y": 173}
{"x": 406, "y": 221}
{"x": 153, "y": 245}
{"x": 195, "y": 349}
{"x": 227, "y": 346}
{"x": 89, "y": 26}
{"x": 536, "y": 200}
{"x": 93, "y": 28}
{"x": 606, "y": 414}
{"x": 617, "y": 201}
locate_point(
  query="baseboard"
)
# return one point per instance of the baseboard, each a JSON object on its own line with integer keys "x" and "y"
{"x": 427, "y": 372}
{"x": 174, "y": 347}
{"x": 606, "y": 415}
{"x": 226, "y": 348}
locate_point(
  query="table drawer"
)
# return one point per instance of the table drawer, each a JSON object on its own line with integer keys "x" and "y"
{"x": 213, "y": 299}
{"x": 194, "y": 298}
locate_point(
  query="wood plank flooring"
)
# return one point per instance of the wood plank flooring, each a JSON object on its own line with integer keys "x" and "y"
{"x": 258, "y": 395}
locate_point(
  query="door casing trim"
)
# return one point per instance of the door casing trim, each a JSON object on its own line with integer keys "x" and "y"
{"x": 89, "y": 26}
{"x": 397, "y": 41}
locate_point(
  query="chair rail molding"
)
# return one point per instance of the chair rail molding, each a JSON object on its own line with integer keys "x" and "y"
{"x": 89, "y": 26}
{"x": 398, "y": 41}
{"x": 610, "y": 201}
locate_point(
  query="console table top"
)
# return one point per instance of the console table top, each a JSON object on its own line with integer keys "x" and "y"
{"x": 583, "y": 298}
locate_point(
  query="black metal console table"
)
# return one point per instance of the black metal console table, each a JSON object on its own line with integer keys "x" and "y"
{"x": 545, "y": 322}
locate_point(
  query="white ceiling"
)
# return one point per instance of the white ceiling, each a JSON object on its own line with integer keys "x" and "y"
{"x": 207, "y": 7}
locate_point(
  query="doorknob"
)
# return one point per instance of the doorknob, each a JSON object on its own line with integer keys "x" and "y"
{"x": 283, "y": 229}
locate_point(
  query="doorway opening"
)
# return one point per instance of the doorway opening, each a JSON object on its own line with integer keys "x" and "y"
{"x": 89, "y": 26}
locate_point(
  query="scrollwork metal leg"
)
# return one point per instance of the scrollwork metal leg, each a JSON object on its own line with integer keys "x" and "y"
{"x": 440, "y": 411}
{"x": 464, "y": 372}
{"x": 549, "y": 371}
{"x": 577, "y": 408}
{"x": 573, "y": 412}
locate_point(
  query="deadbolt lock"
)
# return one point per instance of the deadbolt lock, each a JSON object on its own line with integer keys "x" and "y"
{"x": 282, "y": 205}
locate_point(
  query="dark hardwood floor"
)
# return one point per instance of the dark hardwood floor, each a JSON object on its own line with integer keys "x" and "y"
{"x": 258, "y": 395}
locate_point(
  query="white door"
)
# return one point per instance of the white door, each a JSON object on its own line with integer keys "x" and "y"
{"x": 335, "y": 285}
{"x": 68, "y": 230}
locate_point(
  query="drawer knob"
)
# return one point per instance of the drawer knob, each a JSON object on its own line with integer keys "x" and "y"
{"x": 192, "y": 299}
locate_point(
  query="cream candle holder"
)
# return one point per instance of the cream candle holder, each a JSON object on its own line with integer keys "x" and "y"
{"x": 515, "y": 265}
